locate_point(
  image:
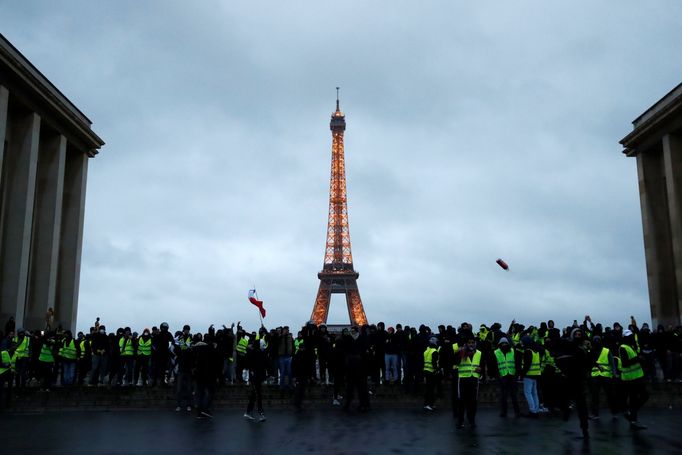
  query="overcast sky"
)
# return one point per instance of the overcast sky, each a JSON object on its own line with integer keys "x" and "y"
{"x": 476, "y": 130}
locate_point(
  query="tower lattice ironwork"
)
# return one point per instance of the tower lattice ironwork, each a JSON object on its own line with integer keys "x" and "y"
{"x": 338, "y": 275}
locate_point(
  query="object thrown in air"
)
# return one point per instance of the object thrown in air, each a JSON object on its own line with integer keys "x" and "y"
{"x": 503, "y": 264}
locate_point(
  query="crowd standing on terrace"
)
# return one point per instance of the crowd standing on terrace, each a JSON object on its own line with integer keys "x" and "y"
{"x": 559, "y": 369}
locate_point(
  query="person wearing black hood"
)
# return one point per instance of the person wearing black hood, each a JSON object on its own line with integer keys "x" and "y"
{"x": 99, "y": 346}
{"x": 356, "y": 373}
{"x": 207, "y": 365}
{"x": 161, "y": 354}
{"x": 302, "y": 372}
{"x": 573, "y": 361}
{"x": 257, "y": 364}
{"x": 338, "y": 366}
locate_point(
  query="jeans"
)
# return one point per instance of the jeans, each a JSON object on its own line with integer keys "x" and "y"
{"x": 99, "y": 368}
{"x": 205, "y": 392}
{"x": 183, "y": 389}
{"x": 530, "y": 391}
{"x": 256, "y": 396}
{"x": 284, "y": 371}
{"x": 68, "y": 373}
{"x": 5, "y": 389}
{"x": 229, "y": 370}
{"x": 392, "y": 367}
{"x": 508, "y": 390}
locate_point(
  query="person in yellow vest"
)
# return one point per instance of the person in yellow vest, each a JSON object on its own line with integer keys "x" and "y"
{"x": 454, "y": 378}
{"x": 506, "y": 358}
{"x": 632, "y": 376}
{"x": 6, "y": 377}
{"x": 469, "y": 366}
{"x": 46, "y": 363}
{"x": 601, "y": 376}
{"x": 126, "y": 345}
{"x": 185, "y": 340}
{"x": 84, "y": 358}
{"x": 143, "y": 360}
{"x": 68, "y": 355}
{"x": 530, "y": 371}
{"x": 431, "y": 372}
{"x": 242, "y": 345}
{"x": 21, "y": 357}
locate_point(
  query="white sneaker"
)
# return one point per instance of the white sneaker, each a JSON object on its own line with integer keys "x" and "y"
{"x": 336, "y": 402}
{"x": 262, "y": 418}
{"x": 178, "y": 409}
{"x": 189, "y": 408}
{"x": 428, "y": 408}
{"x": 248, "y": 416}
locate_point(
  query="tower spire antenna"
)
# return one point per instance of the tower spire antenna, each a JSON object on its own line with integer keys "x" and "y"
{"x": 337, "y": 99}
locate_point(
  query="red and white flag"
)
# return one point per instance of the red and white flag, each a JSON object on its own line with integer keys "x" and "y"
{"x": 253, "y": 298}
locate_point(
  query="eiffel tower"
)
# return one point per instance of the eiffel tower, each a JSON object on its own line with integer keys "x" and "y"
{"x": 337, "y": 275}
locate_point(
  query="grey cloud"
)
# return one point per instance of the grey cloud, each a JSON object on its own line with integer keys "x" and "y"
{"x": 474, "y": 132}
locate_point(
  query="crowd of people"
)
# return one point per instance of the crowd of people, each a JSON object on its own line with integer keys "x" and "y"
{"x": 559, "y": 369}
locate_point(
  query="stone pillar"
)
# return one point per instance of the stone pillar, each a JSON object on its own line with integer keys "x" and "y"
{"x": 19, "y": 182}
{"x": 46, "y": 228}
{"x": 657, "y": 237}
{"x": 672, "y": 158}
{"x": 4, "y": 100}
{"x": 71, "y": 241}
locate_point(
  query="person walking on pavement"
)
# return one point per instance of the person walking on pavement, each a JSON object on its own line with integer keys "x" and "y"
{"x": 257, "y": 364}
{"x": 506, "y": 367}
{"x": 601, "y": 377}
{"x": 207, "y": 366}
{"x": 574, "y": 364}
{"x": 301, "y": 369}
{"x": 431, "y": 370}
{"x": 356, "y": 351}
{"x": 632, "y": 375}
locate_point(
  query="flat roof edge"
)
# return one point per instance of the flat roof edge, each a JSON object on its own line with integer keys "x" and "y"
{"x": 42, "y": 85}
{"x": 669, "y": 105}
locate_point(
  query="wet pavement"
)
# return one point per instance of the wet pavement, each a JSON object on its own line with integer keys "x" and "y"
{"x": 329, "y": 431}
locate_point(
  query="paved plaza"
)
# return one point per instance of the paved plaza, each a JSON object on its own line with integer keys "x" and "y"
{"x": 329, "y": 431}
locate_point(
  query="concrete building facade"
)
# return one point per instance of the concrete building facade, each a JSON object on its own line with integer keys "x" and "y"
{"x": 656, "y": 143}
{"x": 45, "y": 146}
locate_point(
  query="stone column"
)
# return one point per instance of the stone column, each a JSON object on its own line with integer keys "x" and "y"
{"x": 4, "y": 100}
{"x": 19, "y": 182}
{"x": 672, "y": 158}
{"x": 71, "y": 241}
{"x": 657, "y": 239}
{"x": 46, "y": 228}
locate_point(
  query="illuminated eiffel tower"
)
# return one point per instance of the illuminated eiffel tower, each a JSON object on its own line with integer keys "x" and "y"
{"x": 338, "y": 275}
